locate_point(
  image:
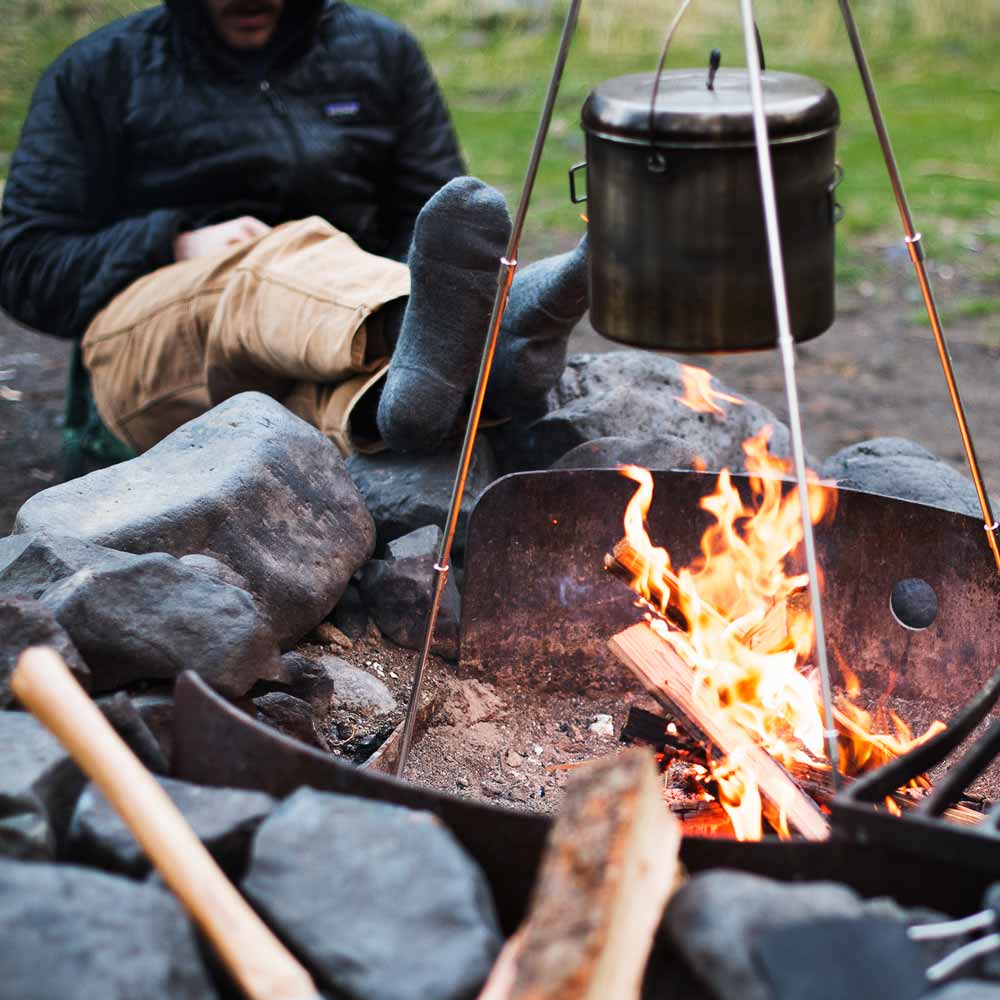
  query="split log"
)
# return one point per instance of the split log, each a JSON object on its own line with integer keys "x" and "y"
{"x": 769, "y": 635}
{"x": 609, "y": 867}
{"x": 669, "y": 679}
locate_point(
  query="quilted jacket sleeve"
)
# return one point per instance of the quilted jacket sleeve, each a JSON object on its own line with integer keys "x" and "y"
{"x": 427, "y": 154}
{"x": 65, "y": 249}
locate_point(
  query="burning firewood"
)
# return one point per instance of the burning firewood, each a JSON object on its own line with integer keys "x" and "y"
{"x": 609, "y": 867}
{"x": 669, "y": 679}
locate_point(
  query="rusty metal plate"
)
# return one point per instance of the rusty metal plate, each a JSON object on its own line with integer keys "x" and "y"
{"x": 538, "y": 606}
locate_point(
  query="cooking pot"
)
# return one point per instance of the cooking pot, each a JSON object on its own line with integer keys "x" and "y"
{"x": 677, "y": 247}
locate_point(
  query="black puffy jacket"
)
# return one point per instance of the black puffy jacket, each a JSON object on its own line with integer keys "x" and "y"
{"x": 151, "y": 126}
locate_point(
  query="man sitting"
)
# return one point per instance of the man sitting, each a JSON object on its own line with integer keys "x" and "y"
{"x": 217, "y": 195}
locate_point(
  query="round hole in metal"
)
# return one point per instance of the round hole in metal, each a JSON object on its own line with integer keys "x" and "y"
{"x": 914, "y": 604}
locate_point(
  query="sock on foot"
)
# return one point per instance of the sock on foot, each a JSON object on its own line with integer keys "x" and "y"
{"x": 547, "y": 300}
{"x": 459, "y": 238}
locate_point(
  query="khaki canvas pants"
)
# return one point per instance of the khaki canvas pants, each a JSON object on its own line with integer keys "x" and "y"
{"x": 292, "y": 313}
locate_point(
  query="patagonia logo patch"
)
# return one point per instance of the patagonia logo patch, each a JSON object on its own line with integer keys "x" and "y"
{"x": 341, "y": 109}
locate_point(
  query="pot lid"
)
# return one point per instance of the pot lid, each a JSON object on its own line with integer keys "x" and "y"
{"x": 688, "y": 113}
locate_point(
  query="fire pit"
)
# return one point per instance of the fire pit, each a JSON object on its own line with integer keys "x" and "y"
{"x": 536, "y": 671}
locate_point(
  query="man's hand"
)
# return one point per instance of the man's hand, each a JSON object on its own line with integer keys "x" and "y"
{"x": 217, "y": 239}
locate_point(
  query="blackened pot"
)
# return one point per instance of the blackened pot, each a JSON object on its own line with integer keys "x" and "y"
{"x": 677, "y": 246}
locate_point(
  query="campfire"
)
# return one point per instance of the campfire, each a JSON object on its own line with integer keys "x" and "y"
{"x": 727, "y": 646}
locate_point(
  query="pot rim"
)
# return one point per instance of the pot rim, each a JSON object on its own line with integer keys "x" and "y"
{"x": 644, "y": 142}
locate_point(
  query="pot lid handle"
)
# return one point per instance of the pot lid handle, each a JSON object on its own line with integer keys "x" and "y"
{"x": 714, "y": 60}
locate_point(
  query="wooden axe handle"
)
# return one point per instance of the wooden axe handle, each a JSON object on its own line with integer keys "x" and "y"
{"x": 259, "y": 962}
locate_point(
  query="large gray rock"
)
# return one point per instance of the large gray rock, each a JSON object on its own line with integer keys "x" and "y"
{"x": 717, "y": 917}
{"x": 328, "y": 682}
{"x": 406, "y": 492}
{"x": 73, "y": 934}
{"x": 31, "y": 563}
{"x": 156, "y": 708}
{"x": 350, "y": 615}
{"x": 247, "y": 483}
{"x": 293, "y": 716}
{"x": 610, "y": 452}
{"x": 150, "y": 616}
{"x": 896, "y": 467}
{"x": 23, "y": 623}
{"x": 380, "y": 901}
{"x": 225, "y": 820}
{"x": 635, "y": 396}
{"x": 39, "y": 786}
{"x": 398, "y": 591}
{"x": 130, "y": 725}
{"x": 216, "y": 568}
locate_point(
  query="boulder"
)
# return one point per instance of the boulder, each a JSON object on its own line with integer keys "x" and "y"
{"x": 39, "y": 786}
{"x": 350, "y": 711}
{"x": 216, "y": 568}
{"x": 130, "y": 725}
{"x": 635, "y": 396}
{"x": 156, "y": 707}
{"x": 328, "y": 682}
{"x": 716, "y": 917}
{"x": 350, "y": 615}
{"x": 611, "y": 452}
{"x": 399, "y": 588}
{"x": 896, "y": 467}
{"x": 406, "y": 492}
{"x": 74, "y": 934}
{"x": 293, "y": 716}
{"x": 247, "y": 483}
{"x": 225, "y": 820}
{"x": 31, "y": 563}
{"x": 150, "y": 616}
{"x": 380, "y": 901}
{"x": 23, "y": 623}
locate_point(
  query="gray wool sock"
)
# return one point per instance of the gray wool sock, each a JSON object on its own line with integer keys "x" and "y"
{"x": 547, "y": 300}
{"x": 458, "y": 240}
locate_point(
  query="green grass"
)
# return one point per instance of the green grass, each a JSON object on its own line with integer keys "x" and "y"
{"x": 934, "y": 63}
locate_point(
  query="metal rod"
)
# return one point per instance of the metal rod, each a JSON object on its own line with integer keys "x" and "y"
{"x": 508, "y": 265}
{"x": 787, "y": 347}
{"x": 914, "y": 247}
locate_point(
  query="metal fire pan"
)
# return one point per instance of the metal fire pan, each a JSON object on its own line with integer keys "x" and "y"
{"x": 216, "y": 743}
{"x": 538, "y": 608}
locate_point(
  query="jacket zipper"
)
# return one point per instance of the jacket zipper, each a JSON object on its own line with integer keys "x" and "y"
{"x": 274, "y": 98}
{"x": 281, "y": 109}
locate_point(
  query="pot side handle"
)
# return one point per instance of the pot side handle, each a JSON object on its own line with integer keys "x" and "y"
{"x": 573, "y": 196}
{"x": 836, "y": 209}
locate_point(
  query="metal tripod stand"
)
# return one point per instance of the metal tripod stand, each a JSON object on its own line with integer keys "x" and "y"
{"x": 508, "y": 266}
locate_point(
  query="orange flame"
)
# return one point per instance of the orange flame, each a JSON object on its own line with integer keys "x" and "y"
{"x": 748, "y": 639}
{"x": 699, "y": 394}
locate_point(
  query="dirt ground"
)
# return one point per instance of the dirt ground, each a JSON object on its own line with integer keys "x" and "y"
{"x": 874, "y": 373}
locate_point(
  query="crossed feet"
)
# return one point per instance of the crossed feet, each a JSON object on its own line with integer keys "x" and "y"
{"x": 459, "y": 238}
